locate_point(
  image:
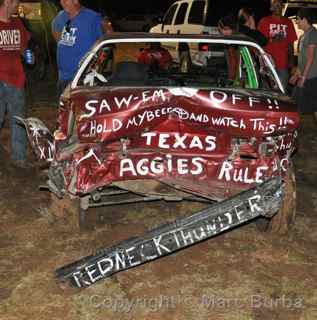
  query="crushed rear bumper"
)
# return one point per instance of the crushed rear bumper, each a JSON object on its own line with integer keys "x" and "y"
{"x": 262, "y": 200}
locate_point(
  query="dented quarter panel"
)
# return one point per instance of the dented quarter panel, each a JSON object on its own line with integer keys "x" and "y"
{"x": 40, "y": 137}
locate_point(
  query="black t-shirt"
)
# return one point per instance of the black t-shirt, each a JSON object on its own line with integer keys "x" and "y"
{"x": 256, "y": 35}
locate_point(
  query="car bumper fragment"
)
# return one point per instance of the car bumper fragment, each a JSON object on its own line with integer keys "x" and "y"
{"x": 262, "y": 200}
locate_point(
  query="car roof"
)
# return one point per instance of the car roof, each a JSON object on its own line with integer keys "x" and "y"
{"x": 145, "y": 35}
{"x": 301, "y": 3}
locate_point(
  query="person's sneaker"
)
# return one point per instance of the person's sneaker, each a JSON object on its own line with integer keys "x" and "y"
{"x": 22, "y": 164}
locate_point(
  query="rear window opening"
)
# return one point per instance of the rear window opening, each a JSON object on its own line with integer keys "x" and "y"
{"x": 174, "y": 64}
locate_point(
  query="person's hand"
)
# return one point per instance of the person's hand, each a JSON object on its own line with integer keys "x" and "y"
{"x": 28, "y": 56}
{"x": 301, "y": 81}
{"x": 33, "y": 59}
{"x": 293, "y": 79}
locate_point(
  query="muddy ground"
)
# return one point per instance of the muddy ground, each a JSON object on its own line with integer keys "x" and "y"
{"x": 243, "y": 274}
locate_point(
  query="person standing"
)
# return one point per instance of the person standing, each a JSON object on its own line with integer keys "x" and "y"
{"x": 281, "y": 35}
{"x": 305, "y": 77}
{"x": 13, "y": 41}
{"x": 75, "y": 29}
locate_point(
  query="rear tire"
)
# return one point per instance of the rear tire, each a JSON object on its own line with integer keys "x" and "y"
{"x": 283, "y": 220}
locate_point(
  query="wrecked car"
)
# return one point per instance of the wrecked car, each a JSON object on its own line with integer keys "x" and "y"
{"x": 158, "y": 123}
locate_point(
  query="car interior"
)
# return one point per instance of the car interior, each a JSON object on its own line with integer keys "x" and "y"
{"x": 222, "y": 66}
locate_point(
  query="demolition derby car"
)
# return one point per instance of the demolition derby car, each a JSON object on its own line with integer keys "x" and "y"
{"x": 146, "y": 119}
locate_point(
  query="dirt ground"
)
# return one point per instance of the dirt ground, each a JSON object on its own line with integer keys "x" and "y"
{"x": 243, "y": 274}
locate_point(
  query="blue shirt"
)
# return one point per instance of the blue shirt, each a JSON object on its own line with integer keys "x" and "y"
{"x": 77, "y": 37}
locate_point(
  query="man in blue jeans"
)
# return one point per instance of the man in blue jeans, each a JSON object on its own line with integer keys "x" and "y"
{"x": 12, "y": 101}
{"x": 13, "y": 41}
{"x": 75, "y": 29}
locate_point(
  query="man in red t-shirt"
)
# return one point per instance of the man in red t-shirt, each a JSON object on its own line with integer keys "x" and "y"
{"x": 13, "y": 41}
{"x": 281, "y": 35}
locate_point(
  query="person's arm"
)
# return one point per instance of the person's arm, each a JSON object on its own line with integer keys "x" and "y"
{"x": 291, "y": 56}
{"x": 25, "y": 40}
{"x": 25, "y": 35}
{"x": 294, "y": 78}
{"x": 258, "y": 36}
{"x": 57, "y": 28}
{"x": 251, "y": 23}
{"x": 262, "y": 27}
{"x": 309, "y": 61}
{"x": 56, "y": 35}
{"x": 292, "y": 37}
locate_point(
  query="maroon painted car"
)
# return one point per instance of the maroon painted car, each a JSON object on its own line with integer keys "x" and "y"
{"x": 200, "y": 125}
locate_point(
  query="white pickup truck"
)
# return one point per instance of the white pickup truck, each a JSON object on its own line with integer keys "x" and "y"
{"x": 194, "y": 17}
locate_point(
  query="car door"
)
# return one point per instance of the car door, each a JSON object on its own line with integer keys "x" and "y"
{"x": 169, "y": 18}
{"x": 180, "y": 18}
{"x": 195, "y": 17}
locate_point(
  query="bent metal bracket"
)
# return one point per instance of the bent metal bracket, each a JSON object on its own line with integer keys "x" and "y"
{"x": 263, "y": 200}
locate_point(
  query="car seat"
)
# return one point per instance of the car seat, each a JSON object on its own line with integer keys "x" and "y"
{"x": 129, "y": 73}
